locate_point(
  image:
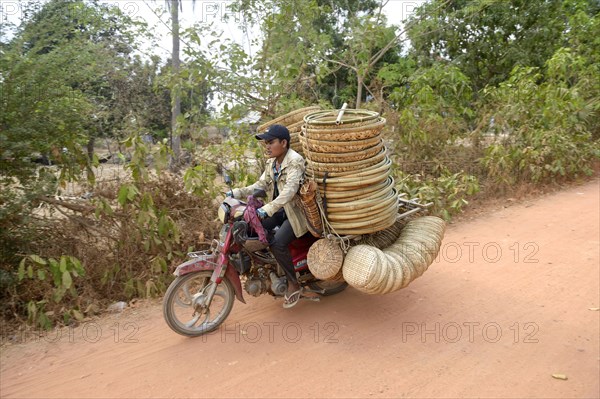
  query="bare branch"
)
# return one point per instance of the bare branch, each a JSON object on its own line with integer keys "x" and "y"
{"x": 342, "y": 64}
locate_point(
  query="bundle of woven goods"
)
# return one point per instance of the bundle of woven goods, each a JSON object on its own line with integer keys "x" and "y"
{"x": 293, "y": 121}
{"x": 351, "y": 203}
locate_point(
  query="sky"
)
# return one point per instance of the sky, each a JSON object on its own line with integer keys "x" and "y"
{"x": 396, "y": 11}
{"x": 199, "y": 11}
{"x": 204, "y": 11}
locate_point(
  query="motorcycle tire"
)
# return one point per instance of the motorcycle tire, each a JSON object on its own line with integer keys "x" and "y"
{"x": 171, "y": 300}
{"x": 329, "y": 287}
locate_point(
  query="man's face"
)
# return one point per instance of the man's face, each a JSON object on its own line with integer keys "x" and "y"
{"x": 276, "y": 147}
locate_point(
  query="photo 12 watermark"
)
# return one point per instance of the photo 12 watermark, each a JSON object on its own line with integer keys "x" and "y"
{"x": 488, "y": 252}
{"x": 16, "y": 10}
{"x": 273, "y": 331}
{"x": 469, "y": 331}
{"x": 87, "y": 332}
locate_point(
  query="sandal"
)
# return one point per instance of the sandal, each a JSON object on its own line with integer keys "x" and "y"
{"x": 292, "y": 300}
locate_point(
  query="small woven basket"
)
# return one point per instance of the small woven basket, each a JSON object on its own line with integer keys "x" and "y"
{"x": 309, "y": 198}
{"x": 325, "y": 258}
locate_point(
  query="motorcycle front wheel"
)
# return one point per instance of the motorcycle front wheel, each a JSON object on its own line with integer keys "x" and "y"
{"x": 184, "y": 307}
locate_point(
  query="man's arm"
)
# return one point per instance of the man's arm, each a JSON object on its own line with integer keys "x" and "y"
{"x": 243, "y": 193}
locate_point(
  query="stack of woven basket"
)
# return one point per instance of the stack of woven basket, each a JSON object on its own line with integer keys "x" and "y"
{"x": 375, "y": 271}
{"x": 347, "y": 158}
{"x": 293, "y": 121}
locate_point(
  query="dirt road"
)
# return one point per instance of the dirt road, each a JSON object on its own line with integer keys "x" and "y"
{"x": 511, "y": 300}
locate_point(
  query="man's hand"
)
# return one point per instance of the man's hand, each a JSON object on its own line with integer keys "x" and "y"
{"x": 262, "y": 214}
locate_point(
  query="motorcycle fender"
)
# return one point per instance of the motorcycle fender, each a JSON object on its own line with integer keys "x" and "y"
{"x": 208, "y": 262}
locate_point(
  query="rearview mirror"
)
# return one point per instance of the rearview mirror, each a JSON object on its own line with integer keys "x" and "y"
{"x": 227, "y": 178}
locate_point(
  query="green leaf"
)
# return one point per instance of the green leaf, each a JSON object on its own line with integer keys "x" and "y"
{"x": 67, "y": 280}
{"x": 37, "y": 259}
{"x": 30, "y": 271}
{"x": 41, "y": 275}
{"x": 21, "y": 272}
{"x": 122, "y": 196}
{"x": 63, "y": 264}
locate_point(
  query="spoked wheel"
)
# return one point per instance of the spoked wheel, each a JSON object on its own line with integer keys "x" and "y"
{"x": 329, "y": 287}
{"x": 185, "y": 309}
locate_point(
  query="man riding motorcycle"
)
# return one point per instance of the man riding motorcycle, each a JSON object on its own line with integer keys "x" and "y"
{"x": 281, "y": 180}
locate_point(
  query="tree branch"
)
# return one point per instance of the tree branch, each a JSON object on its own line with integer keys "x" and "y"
{"x": 342, "y": 64}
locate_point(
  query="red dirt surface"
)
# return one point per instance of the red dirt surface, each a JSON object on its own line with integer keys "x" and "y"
{"x": 512, "y": 299}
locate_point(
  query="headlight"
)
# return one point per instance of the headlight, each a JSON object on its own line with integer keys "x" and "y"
{"x": 239, "y": 212}
{"x": 223, "y": 213}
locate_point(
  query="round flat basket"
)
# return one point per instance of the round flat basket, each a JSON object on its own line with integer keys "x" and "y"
{"x": 295, "y": 127}
{"x": 387, "y": 218}
{"x": 343, "y": 167}
{"x": 290, "y": 118}
{"x": 344, "y": 133}
{"x": 385, "y": 238}
{"x": 324, "y": 146}
{"x": 385, "y": 164}
{"x": 358, "y": 193}
{"x": 351, "y": 117}
{"x": 344, "y": 185}
{"x": 325, "y": 259}
{"x": 346, "y": 156}
{"x": 361, "y": 266}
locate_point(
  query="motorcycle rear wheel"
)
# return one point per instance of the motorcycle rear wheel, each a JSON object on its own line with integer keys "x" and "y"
{"x": 329, "y": 287}
{"x": 182, "y": 305}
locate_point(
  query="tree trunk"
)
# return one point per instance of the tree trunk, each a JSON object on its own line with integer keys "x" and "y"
{"x": 359, "y": 90}
{"x": 90, "y": 148}
{"x": 175, "y": 93}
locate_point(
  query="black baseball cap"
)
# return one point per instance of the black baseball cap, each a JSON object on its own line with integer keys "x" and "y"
{"x": 275, "y": 132}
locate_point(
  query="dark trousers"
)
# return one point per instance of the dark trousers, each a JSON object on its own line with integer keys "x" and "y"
{"x": 280, "y": 240}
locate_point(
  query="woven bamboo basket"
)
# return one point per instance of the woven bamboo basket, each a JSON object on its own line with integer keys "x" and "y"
{"x": 290, "y": 118}
{"x": 384, "y": 238}
{"x": 360, "y": 266}
{"x": 353, "y": 183}
{"x": 348, "y": 166}
{"x": 309, "y": 201}
{"x": 382, "y": 221}
{"x": 362, "y": 217}
{"x": 359, "y": 193}
{"x": 342, "y": 229}
{"x": 351, "y": 117}
{"x": 380, "y": 274}
{"x": 325, "y": 259}
{"x": 346, "y": 157}
{"x": 403, "y": 268}
{"x": 344, "y": 133}
{"x": 385, "y": 199}
{"x": 378, "y": 168}
{"x": 324, "y": 146}
{"x": 295, "y": 127}
{"x": 365, "y": 268}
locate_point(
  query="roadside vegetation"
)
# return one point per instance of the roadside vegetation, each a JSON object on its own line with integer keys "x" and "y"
{"x": 482, "y": 98}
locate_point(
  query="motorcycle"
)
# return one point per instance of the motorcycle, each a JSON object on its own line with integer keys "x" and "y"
{"x": 202, "y": 295}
